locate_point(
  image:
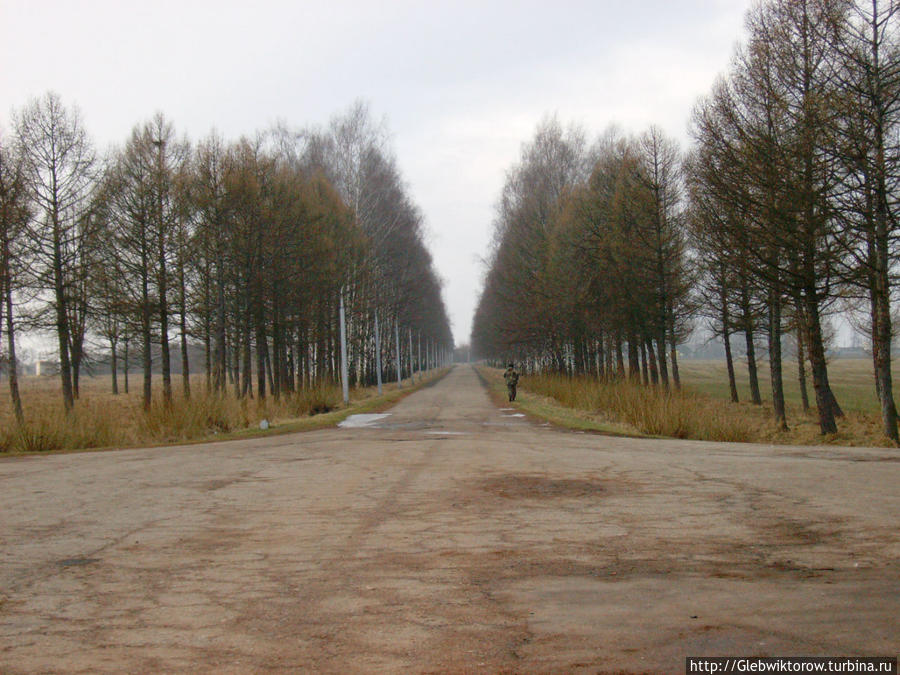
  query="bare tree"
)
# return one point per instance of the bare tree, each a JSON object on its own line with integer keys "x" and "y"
{"x": 14, "y": 217}
{"x": 210, "y": 167}
{"x": 59, "y": 160}
{"x": 867, "y": 154}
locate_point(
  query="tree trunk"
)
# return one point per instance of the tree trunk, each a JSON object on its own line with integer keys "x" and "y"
{"x": 113, "y": 365}
{"x": 185, "y": 364}
{"x": 207, "y": 354}
{"x": 62, "y": 333}
{"x": 267, "y": 361}
{"x": 673, "y": 351}
{"x": 207, "y": 326}
{"x": 234, "y": 369}
{"x": 165, "y": 356}
{"x": 610, "y": 358}
{"x": 291, "y": 366}
{"x": 726, "y": 336}
{"x": 321, "y": 346}
{"x": 182, "y": 327}
{"x": 775, "y": 359}
{"x": 578, "y": 350}
{"x": 13, "y": 365}
{"x": 645, "y": 375}
{"x": 835, "y": 406}
{"x": 801, "y": 369}
{"x": 654, "y": 370}
{"x": 881, "y": 288}
{"x": 661, "y": 357}
{"x": 819, "y": 366}
{"x": 247, "y": 365}
{"x": 802, "y": 351}
{"x": 302, "y": 360}
{"x": 620, "y": 360}
{"x": 883, "y": 366}
{"x": 399, "y": 356}
{"x": 634, "y": 364}
{"x": 220, "y": 359}
{"x": 752, "y": 369}
{"x": 147, "y": 356}
{"x": 279, "y": 361}
{"x": 873, "y": 319}
{"x": 601, "y": 359}
{"x": 412, "y": 372}
{"x": 755, "y": 397}
{"x": 76, "y": 355}
{"x": 729, "y": 363}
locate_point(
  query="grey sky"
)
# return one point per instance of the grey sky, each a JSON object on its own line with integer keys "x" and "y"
{"x": 461, "y": 84}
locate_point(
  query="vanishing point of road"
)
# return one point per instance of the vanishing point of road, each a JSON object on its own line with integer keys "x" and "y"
{"x": 449, "y": 536}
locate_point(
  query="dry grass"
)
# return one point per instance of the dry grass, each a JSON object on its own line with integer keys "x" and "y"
{"x": 648, "y": 410}
{"x": 101, "y": 420}
{"x": 703, "y": 410}
{"x": 851, "y": 380}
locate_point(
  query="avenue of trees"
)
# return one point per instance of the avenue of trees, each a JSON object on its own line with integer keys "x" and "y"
{"x": 588, "y": 274}
{"x": 784, "y": 210}
{"x": 244, "y": 248}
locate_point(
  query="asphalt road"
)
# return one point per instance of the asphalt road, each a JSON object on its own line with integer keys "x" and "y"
{"x": 450, "y": 536}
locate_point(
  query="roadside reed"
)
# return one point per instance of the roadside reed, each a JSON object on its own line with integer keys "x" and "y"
{"x": 101, "y": 419}
{"x": 650, "y": 410}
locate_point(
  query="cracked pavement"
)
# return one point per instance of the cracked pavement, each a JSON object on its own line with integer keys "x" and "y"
{"x": 449, "y": 536}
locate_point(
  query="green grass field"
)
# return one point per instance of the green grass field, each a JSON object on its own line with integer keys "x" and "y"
{"x": 851, "y": 379}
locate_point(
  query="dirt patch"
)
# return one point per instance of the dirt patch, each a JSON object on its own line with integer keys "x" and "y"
{"x": 530, "y": 486}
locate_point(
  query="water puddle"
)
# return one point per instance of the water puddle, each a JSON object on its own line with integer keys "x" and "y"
{"x": 362, "y": 421}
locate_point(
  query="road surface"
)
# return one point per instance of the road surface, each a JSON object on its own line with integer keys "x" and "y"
{"x": 449, "y": 536}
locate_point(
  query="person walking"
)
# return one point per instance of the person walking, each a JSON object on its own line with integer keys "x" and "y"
{"x": 512, "y": 379}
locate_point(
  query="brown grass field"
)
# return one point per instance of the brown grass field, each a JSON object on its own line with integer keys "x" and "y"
{"x": 703, "y": 411}
{"x": 102, "y": 420}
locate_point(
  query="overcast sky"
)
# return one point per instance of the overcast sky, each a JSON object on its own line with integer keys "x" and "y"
{"x": 461, "y": 84}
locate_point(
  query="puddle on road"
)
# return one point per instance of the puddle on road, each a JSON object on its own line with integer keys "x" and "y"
{"x": 362, "y": 420}
{"x": 374, "y": 421}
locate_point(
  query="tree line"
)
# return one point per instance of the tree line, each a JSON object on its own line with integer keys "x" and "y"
{"x": 245, "y": 247}
{"x": 783, "y": 211}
